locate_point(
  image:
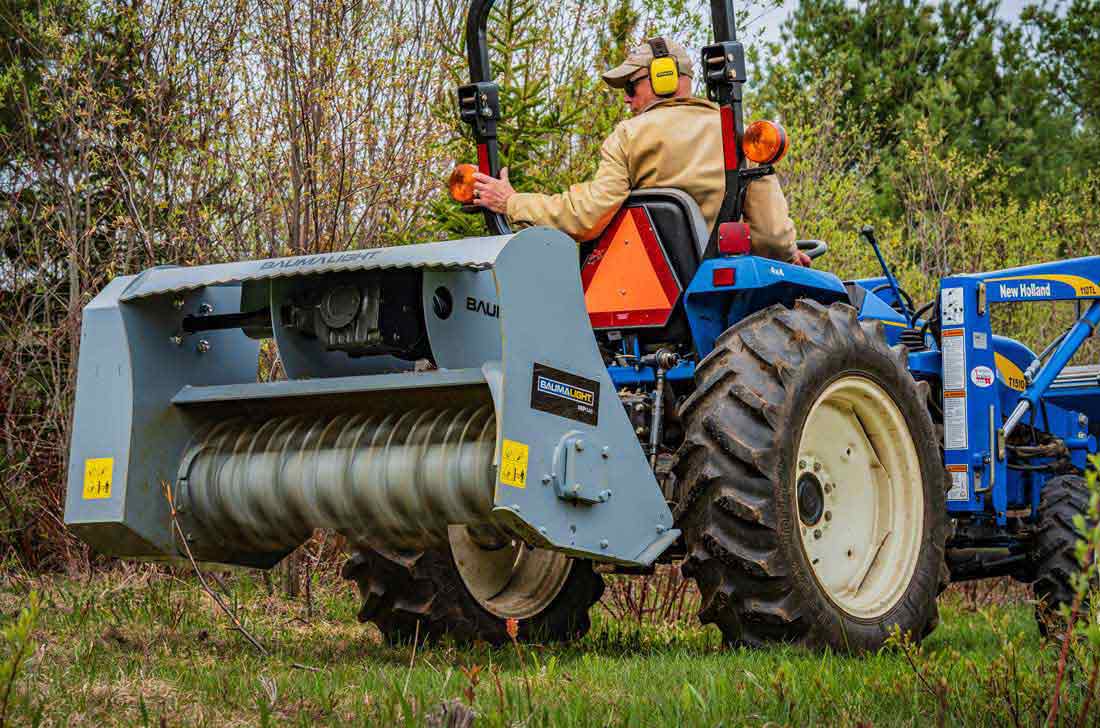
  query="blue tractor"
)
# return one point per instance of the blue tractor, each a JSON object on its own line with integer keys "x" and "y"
{"x": 492, "y": 431}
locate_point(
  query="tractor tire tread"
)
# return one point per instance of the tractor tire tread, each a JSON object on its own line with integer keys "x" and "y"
{"x": 1054, "y": 557}
{"x": 422, "y": 596}
{"x": 729, "y": 464}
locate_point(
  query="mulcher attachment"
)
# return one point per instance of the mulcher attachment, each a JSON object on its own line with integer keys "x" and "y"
{"x": 425, "y": 386}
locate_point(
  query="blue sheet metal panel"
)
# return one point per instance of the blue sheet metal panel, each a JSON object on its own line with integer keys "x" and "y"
{"x": 556, "y": 392}
{"x": 971, "y": 405}
{"x": 886, "y": 295}
{"x": 1056, "y": 281}
{"x": 876, "y": 309}
{"x": 758, "y": 283}
{"x": 1081, "y": 399}
{"x": 926, "y": 365}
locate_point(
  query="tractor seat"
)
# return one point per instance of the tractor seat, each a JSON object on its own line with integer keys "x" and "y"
{"x": 680, "y": 227}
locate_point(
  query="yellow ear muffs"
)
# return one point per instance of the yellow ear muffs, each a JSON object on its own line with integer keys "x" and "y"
{"x": 664, "y": 77}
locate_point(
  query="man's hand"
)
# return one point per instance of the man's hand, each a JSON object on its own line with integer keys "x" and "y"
{"x": 493, "y": 193}
{"x": 803, "y": 260}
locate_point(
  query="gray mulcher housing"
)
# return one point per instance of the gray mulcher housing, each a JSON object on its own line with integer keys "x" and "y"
{"x": 354, "y": 438}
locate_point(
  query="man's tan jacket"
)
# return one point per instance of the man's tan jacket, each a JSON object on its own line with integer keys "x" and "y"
{"x": 674, "y": 143}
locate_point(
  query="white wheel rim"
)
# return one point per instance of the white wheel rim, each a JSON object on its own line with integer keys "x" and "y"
{"x": 511, "y": 582}
{"x": 857, "y": 454}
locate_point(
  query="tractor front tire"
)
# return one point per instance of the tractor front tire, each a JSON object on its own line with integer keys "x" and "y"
{"x": 1054, "y": 558}
{"x": 811, "y": 491}
{"x": 423, "y": 596}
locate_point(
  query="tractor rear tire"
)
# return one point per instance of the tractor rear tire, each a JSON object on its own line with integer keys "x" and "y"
{"x": 1054, "y": 558}
{"x": 779, "y": 544}
{"x": 423, "y": 596}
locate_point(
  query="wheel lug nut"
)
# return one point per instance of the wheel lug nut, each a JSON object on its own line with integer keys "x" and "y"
{"x": 828, "y": 515}
{"x": 817, "y": 467}
{"x": 801, "y": 464}
{"x": 817, "y": 533}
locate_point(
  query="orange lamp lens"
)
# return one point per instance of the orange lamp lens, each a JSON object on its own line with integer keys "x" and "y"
{"x": 461, "y": 184}
{"x": 765, "y": 142}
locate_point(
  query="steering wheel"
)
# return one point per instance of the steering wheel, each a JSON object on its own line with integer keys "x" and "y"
{"x": 897, "y": 304}
{"x": 813, "y": 248}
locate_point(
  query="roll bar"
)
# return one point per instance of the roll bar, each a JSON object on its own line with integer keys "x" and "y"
{"x": 723, "y": 68}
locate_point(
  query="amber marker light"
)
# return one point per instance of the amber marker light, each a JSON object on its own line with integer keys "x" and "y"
{"x": 461, "y": 184}
{"x": 765, "y": 142}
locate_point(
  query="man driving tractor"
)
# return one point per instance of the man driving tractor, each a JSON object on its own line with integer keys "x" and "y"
{"x": 673, "y": 140}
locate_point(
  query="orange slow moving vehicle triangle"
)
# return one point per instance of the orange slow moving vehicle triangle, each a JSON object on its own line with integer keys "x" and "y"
{"x": 627, "y": 280}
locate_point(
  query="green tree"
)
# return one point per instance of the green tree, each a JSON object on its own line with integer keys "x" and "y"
{"x": 1067, "y": 45}
{"x": 956, "y": 67}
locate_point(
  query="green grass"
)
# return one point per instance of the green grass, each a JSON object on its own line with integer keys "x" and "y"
{"x": 139, "y": 648}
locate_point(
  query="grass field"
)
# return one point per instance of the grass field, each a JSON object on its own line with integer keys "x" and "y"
{"x": 138, "y": 647}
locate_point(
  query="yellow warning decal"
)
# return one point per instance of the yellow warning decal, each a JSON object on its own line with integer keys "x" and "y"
{"x": 97, "y": 478}
{"x": 513, "y": 464}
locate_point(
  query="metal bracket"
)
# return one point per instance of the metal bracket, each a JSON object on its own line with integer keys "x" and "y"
{"x": 582, "y": 469}
{"x": 479, "y": 106}
{"x": 724, "y": 71}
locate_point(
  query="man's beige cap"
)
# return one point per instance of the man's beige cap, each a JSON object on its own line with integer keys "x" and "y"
{"x": 640, "y": 58}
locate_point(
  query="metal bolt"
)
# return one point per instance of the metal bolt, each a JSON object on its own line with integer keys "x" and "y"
{"x": 828, "y": 488}
{"x": 801, "y": 464}
{"x": 606, "y": 452}
{"x": 817, "y": 467}
{"x": 1082, "y": 420}
{"x": 203, "y": 346}
{"x": 661, "y": 529}
{"x": 603, "y": 544}
{"x": 579, "y": 445}
{"x": 828, "y": 515}
{"x": 515, "y": 508}
{"x": 1080, "y": 436}
{"x": 817, "y": 533}
{"x": 605, "y": 495}
{"x": 576, "y": 489}
{"x": 177, "y": 339}
{"x": 190, "y": 537}
{"x": 546, "y": 479}
{"x": 205, "y": 309}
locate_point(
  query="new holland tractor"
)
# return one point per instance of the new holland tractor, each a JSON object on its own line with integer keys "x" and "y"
{"x": 493, "y": 423}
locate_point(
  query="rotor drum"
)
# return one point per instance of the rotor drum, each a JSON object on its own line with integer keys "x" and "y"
{"x": 394, "y": 480}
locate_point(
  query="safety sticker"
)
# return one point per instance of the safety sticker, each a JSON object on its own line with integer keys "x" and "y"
{"x": 564, "y": 394}
{"x": 513, "y": 464}
{"x": 981, "y": 340}
{"x": 953, "y": 306}
{"x": 954, "y": 359}
{"x": 954, "y": 420}
{"x": 982, "y": 376}
{"x": 97, "y": 478}
{"x": 960, "y": 483}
